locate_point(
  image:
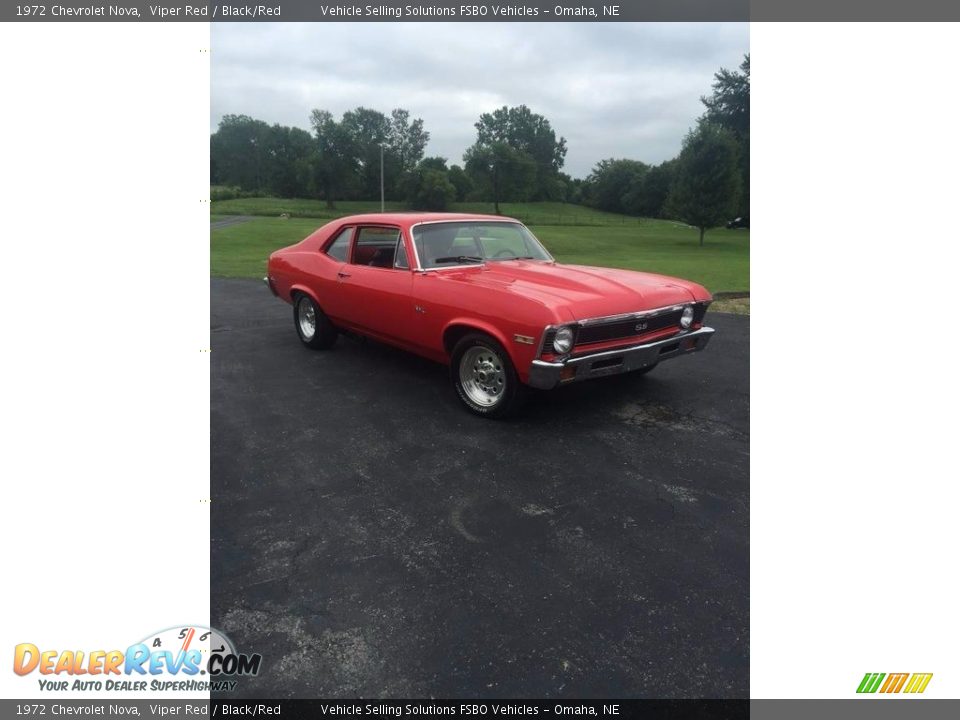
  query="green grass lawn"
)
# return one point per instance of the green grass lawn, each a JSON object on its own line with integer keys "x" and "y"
{"x": 722, "y": 265}
{"x": 241, "y": 250}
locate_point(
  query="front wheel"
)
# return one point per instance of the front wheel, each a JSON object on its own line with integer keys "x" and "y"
{"x": 484, "y": 377}
{"x": 313, "y": 327}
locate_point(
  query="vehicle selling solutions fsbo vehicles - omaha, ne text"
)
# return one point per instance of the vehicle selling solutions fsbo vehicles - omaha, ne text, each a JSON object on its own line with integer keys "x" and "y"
{"x": 480, "y": 293}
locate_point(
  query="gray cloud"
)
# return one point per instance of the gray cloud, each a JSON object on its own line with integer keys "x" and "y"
{"x": 612, "y": 89}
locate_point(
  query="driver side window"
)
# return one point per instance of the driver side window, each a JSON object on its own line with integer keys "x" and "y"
{"x": 376, "y": 246}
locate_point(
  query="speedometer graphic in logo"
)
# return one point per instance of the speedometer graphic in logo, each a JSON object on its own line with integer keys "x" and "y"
{"x": 194, "y": 648}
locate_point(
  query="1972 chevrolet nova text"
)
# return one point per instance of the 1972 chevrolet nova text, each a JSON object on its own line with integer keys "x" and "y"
{"x": 481, "y": 294}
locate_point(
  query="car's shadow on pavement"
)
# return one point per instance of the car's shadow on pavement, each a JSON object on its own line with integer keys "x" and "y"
{"x": 574, "y": 403}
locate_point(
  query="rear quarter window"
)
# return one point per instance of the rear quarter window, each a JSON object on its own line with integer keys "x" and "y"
{"x": 340, "y": 247}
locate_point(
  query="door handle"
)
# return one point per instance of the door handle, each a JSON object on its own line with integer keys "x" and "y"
{"x": 343, "y": 275}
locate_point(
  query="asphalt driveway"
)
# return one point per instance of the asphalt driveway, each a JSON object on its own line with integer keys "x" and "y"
{"x": 372, "y": 539}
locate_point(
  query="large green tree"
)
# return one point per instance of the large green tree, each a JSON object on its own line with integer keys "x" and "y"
{"x": 397, "y": 140}
{"x": 335, "y": 157}
{"x": 289, "y": 153}
{"x": 610, "y": 181}
{"x": 429, "y": 186}
{"x": 461, "y": 181}
{"x": 369, "y": 130}
{"x": 706, "y": 188}
{"x": 517, "y": 155}
{"x": 501, "y": 172}
{"x": 406, "y": 139}
{"x": 647, "y": 193}
{"x": 238, "y": 152}
{"x": 729, "y": 107}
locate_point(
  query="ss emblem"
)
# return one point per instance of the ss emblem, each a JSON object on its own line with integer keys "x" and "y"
{"x": 641, "y": 327}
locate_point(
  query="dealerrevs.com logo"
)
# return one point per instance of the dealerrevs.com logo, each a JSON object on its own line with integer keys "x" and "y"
{"x": 910, "y": 683}
{"x": 184, "y": 659}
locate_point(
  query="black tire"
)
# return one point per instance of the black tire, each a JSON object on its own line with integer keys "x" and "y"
{"x": 492, "y": 389}
{"x": 324, "y": 334}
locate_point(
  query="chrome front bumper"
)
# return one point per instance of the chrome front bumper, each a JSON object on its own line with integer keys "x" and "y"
{"x": 546, "y": 375}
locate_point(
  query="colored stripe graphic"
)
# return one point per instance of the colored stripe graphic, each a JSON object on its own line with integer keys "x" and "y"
{"x": 870, "y": 682}
{"x": 894, "y": 682}
{"x": 918, "y": 682}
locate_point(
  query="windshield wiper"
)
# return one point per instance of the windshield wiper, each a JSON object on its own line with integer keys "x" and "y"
{"x": 458, "y": 258}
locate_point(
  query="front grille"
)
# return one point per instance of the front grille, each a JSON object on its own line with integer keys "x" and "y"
{"x": 628, "y": 328}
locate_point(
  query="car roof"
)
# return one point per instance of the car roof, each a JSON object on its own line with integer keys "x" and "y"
{"x": 407, "y": 219}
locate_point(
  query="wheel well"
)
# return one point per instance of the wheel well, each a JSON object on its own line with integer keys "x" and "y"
{"x": 453, "y": 334}
{"x": 296, "y": 294}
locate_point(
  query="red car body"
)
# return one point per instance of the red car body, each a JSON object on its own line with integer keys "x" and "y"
{"x": 622, "y": 320}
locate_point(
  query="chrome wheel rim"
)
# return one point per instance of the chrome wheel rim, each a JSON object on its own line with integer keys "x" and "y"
{"x": 482, "y": 376}
{"x": 307, "y": 319}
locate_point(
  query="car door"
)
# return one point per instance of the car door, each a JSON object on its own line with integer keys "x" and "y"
{"x": 328, "y": 274}
{"x": 375, "y": 284}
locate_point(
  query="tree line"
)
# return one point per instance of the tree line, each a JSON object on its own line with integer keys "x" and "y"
{"x": 516, "y": 157}
{"x": 707, "y": 184}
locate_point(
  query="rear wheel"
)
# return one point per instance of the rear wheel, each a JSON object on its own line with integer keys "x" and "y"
{"x": 484, "y": 377}
{"x": 313, "y": 327}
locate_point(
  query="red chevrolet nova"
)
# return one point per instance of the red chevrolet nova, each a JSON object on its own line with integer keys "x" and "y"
{"x": 481, "y": 294}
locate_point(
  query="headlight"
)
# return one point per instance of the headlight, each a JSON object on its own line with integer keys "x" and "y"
{"x": 563, "y": 341}
{"x": 686, "y": 319}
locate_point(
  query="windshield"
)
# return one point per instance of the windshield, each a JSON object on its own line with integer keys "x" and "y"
{"x": 463, "y": 243}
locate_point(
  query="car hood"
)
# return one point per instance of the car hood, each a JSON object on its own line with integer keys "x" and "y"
{"x": 584, "y": 291}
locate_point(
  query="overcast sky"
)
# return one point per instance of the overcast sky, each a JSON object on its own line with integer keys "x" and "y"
{"x": 611, "y": 89}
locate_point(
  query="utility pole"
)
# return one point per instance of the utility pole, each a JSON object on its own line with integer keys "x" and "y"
{"x": 381, "y": 177}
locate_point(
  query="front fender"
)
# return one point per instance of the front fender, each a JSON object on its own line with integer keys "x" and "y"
{"x": 521, "y": 355}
